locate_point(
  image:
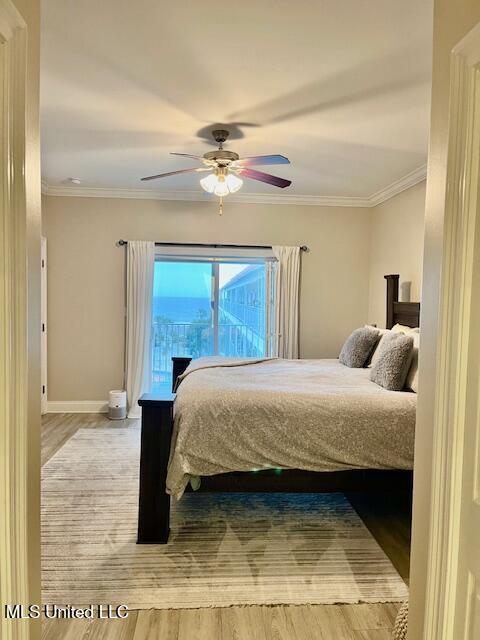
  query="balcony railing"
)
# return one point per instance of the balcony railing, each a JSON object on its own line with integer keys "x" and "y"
{"x": 196, "y": 339}
{"x": 249, "y": 314}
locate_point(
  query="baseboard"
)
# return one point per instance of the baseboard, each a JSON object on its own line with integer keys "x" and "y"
{"x": 77, "y": 406}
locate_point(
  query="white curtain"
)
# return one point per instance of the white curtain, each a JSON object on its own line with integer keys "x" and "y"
{"x": 140, "y": 265}
{"x": 287, "y": 286}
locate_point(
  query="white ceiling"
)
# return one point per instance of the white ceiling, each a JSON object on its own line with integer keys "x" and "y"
{"x": 341, "y": 87}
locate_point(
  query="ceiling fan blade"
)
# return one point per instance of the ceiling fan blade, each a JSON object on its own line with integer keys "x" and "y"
{"x": 249, "y": 162}
{"x": 173, "y": 173}
{"x": 187, "y": 155}
{"x": 264, "y": 177}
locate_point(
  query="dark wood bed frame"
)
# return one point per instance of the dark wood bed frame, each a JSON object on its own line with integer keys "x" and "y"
{"x": 157, "y": 426}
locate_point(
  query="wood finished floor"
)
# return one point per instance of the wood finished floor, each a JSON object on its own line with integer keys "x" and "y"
{"x": 388, "y": 520}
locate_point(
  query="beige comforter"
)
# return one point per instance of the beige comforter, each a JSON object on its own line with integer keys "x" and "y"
{"x": 319, "y": 415}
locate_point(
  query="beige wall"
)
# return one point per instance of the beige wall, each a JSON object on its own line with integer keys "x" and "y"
{"x": 396, "y": 246}
{"x": 452, "y": 21}
{"x": 86, "y": 274}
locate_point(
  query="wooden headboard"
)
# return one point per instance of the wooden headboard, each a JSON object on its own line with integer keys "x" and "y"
{"x": 407, "y": 313}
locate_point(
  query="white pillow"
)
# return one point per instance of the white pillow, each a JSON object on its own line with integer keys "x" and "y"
{"x": 402, "y": 328}
{"x": 412, "y": 375}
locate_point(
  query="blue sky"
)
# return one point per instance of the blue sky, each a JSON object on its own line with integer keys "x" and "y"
{"x": 189, "y": 279}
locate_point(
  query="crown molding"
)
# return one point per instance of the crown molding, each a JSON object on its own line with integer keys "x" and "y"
{"x": 409, "y": 180}
{"x": 393, "y": 189}
{"x": 198, "y": 196}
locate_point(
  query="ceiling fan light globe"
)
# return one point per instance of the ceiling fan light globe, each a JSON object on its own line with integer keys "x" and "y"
{"x": 209, "y": 183}
{"x": 221, "y": 189}
{"x": 233, "y": 183}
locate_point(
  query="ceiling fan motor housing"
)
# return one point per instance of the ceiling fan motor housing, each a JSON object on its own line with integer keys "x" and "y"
{"x": 221, "y": 157}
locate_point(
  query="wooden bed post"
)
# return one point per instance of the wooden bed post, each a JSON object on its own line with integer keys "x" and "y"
{"x": 154, "y": 502}
{"x": 157, "y": 428}
{"x": 392, "y": 297}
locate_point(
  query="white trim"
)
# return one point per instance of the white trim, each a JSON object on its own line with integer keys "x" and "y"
{"x": 77, "y": 406}
{"x": 198, "y": 196}
{"x": 407, "y": 181}
{"x": 16, "y": 585}
{"x": 10, "y": 20}
{"x": 454, "y": 347}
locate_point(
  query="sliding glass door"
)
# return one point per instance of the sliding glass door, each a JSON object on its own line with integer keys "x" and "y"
{"x": 209, "y": 306}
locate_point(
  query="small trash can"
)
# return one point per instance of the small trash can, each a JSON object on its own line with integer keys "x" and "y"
{"x": 117, "y": 405}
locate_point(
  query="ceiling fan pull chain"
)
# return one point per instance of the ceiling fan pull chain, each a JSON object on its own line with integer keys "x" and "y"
{"x": 220, "y": 207}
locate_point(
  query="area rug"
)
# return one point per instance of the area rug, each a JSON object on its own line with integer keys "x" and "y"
{"x": 224, "y": 549}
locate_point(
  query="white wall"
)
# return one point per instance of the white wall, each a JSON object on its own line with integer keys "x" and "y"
{"x": 396, "y": 246}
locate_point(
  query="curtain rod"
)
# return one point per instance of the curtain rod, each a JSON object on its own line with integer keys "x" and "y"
{"x": 122, "y": 243}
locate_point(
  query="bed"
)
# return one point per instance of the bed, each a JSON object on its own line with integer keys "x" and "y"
{"x": 319, "y": 410}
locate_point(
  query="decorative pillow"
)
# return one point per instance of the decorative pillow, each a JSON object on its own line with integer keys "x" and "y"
{"x": 412, "y": 376}
{"x": 393, "y": 362}
{"x": 358, "y": 347}
{"x": 374, "y": 354}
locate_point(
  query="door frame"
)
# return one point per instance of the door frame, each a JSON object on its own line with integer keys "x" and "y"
{"x": 462, "y": 220}
{"x": 15, "y": 585}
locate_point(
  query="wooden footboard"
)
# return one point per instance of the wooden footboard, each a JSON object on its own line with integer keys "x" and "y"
{"x": 154, "y": 502}
{"x": 157, "y": 428}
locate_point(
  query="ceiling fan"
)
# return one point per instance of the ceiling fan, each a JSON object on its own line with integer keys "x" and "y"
{"x": 225, "y": 167}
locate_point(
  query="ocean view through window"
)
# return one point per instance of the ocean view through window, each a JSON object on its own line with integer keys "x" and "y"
{"x": 209, "y": 307}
